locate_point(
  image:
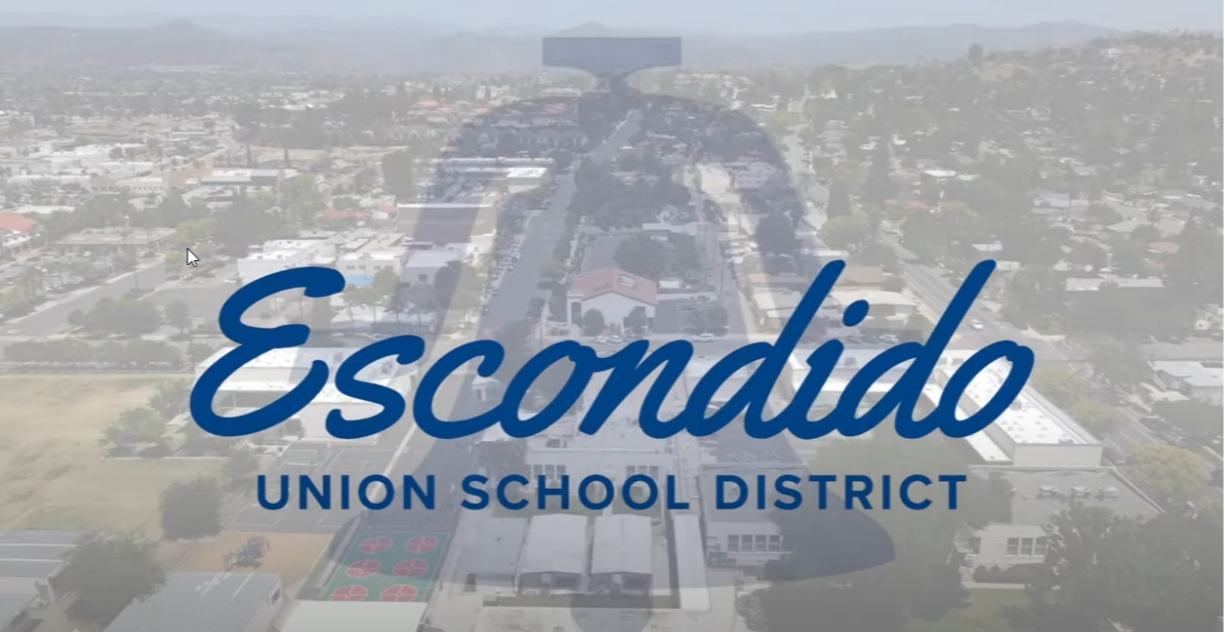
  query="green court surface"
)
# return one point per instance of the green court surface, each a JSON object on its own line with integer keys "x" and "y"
{"x": 381, "y": 566}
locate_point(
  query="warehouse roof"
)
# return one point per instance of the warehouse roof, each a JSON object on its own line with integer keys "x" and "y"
{"x": 200, "y": 602}
{"x": 369, "y": 616}
{"x": 622, "y": 545}
{"x": 556, "y": 543}
{"x": 34, "y": 554}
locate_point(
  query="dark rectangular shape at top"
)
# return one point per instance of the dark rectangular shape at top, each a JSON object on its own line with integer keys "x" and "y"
{"x": 611, "y": 55}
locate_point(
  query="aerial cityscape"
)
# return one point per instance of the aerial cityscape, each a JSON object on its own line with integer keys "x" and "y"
{"x": 626, "y": 190}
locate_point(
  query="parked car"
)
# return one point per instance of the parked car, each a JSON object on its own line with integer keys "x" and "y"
{"x": 976, "y": 324}
{"x": 704, "y": 338}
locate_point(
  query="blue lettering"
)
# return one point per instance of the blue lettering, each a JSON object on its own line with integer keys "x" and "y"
{"x": 316, "y": 282}
{"x": 627, "y": 369}
{"x": 406, "y": 349}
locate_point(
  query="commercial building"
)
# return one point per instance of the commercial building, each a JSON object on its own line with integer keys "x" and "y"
{"x": 554, "y": 558}
{"x": 1197, "y": 379}
{"x": 1033, "y": 432}
{"x": 614, "y": 293}
{"x": 30, "y": 562}
{"x": 420, "y": 266}
{"x": 254, "y": 179}
{"x": 494, "y": 563}
{"x": 207, "y": 602}
{"x": 283, "y": 254}
{"x": 131, "y": 241}
{"x": 622, "y": 555}
{"x": 269, "y": 376}
{"x": 355, "y": 616}
{"x": 1036, "y": 495}
{"x": 362, "y": 259}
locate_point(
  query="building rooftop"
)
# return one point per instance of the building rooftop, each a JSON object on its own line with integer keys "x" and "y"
{"x": 611, "y": 280}
{"x": 116, "y": 237}
{"x": 622, "y": 544}
{"x": 556, "y": 543}
{"x": 501, "y": 540}
{"x": 533, "y": 619}
{"x": 1205, "y": 374}
{"x": 1032, "y": 419}
{"x": 874, "y": 297}
{"x": 366, "y": 616}
{"x": 35, "y": 554}
{"x": 1041, "y": 493}
{"x": 200, "y": 602}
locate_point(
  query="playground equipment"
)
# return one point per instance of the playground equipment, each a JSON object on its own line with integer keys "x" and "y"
{"x": 249, "y": 555}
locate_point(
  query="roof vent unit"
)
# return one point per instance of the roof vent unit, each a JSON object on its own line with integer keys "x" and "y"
{"x": 1081, "y": 492}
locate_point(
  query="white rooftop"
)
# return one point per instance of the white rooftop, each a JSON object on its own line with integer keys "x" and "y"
{"x": 1028, "y": 421}
{"x": 622, "y": 544}
{"x": 556, "y": 543}
{"x": 367, "y": 616}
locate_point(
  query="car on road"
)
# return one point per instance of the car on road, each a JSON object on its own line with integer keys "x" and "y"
{"x": 889, "y": 339}
{"x": 704, "y": 338}
{"x": 615, "y": 339}
{"x": 602, "y": 340}
{"x": 976, "y": 324}
{"x": 1114, "y": 455}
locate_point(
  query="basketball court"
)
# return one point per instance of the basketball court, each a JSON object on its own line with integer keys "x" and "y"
{"x": 388, "y": 566}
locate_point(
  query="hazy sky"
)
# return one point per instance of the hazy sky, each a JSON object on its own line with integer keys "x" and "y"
{"x": 687, "y": 15}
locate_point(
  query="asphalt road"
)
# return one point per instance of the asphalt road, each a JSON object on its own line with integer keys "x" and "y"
{"x": 403, "y": 450}
{"x": 52, "y": 317}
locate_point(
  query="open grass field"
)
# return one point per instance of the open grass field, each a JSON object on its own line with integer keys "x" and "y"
{"x": 52, "y": 471}
{"x": 293, "y": 555}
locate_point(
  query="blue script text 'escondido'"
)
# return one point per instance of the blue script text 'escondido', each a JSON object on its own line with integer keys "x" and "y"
{"x": 627, "y": 369}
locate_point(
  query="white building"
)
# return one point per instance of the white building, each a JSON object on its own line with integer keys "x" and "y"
{"x": 1194, "y": 378}
{"x": 31, "y": 560}
{"x": 614, "y": 293}
{"x": 283, "y": 254}
{"x": 207, "y": 602}
{"x": 745, "y": 537}
{"x": 364, "y": 259}
{"x": 363, "y": 616}
{"x": 492, "y": 565}
{"x": 554, "y": 559}
{"x": 420, "y": 266}
{"x": 269, "y": 376}
{"x": 1036, "y": 495}
{"x": 1033, "y": 432}
{"x": 622, "y": 555}
{"x": 617, "y": 451}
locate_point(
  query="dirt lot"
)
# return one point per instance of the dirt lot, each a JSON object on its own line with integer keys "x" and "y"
{"x": 52, "y": 471}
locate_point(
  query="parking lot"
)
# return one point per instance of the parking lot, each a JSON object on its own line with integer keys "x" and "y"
{"x": 334, "y": 460}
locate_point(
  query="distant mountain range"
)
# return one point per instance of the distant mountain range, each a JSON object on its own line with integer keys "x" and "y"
{"x": 403, "y": 46}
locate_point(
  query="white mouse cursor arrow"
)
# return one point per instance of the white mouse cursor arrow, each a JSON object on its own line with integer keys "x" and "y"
{"x": 192, "y": 259}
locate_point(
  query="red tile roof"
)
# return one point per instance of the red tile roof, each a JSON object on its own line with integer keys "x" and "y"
{"x": 607, "y": 280}
{"x": 17, "y": 222}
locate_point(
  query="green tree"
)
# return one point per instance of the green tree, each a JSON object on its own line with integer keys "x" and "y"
{"x": 845, "y": 232}
{"x": 1168, "y": 473}
{"x": 776, "y": 235}
{"x": 643, "y": 256}
{"x": 107, "y": 572}
{"x": 593, "y": 322}
{"x": 1118, "y": 362}
{"x": 170, "y": 398}
{"x": 191, "y": 509}
{"x": 385, "y": 282}
{"x": 135, "y": 427}
{"x": 178, "y": 315}
{"x": 398, "y": 175}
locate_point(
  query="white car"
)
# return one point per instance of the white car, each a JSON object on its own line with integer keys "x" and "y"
{"x": 704, "y": 338}
{"x": 889, "y": 339}
{"x": 603, "y": 340}
{"x": 976, "y": 324}
{"x": 615, "y": 339}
